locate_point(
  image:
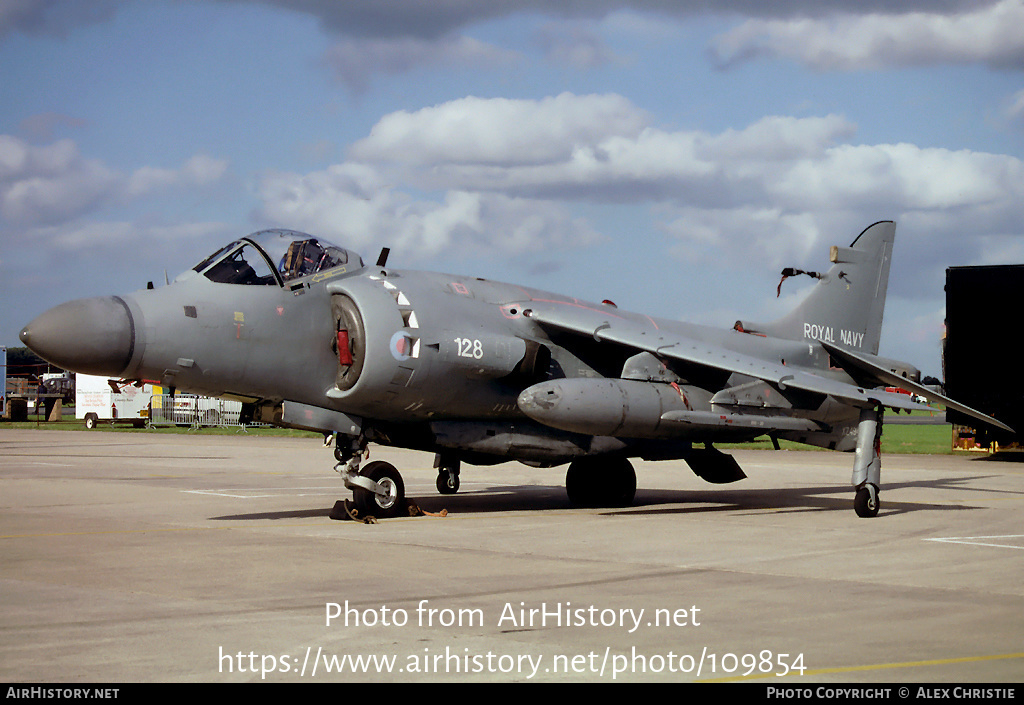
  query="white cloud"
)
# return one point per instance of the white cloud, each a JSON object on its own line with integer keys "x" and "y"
{"x": 595, "y": 147}
{"x": 123, "y": 254}
{"x": 351, "y": 205}
{"x": 119, "y": 233}
{"x": 53, "y": 184}
{"x": 198, "y": 170}
{"x": 499, "y": 131}
{"x": 511, "y": 175}
{"x": 989, "y": 33}
{"x": 776, "y": 190}
{"x": 598, "y": 147}
{"x": 415, "y": 18}
{"x": 344, "y": 203}
{"x": 901, "y": 176}
{"x": 49, "y": 184}
{"x": 778, "y": 139}
{"x": 769, "y": 236}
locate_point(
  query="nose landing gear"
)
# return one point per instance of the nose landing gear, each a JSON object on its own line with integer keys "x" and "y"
{"x": 377, "y": 489}
{"x": 386, "y": 498}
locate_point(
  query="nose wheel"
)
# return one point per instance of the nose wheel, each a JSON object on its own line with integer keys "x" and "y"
{"x": 377, "y": 488}
{"x": 381, "y": 493}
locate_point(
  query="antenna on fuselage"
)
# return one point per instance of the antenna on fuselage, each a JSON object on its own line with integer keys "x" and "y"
{"x": 382, "y": 258}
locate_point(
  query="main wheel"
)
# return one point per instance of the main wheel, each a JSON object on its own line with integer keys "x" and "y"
{"x": 866, "y": 503}
{"x": 90, "y": 420}
{"x": 601, "y": 482}
{"x": 392, "y": 503}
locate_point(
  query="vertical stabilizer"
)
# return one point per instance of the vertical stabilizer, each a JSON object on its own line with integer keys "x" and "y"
{"x": 845, "y": 307}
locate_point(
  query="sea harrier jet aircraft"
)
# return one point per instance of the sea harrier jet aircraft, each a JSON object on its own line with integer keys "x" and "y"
{"x": 479, "y": 372}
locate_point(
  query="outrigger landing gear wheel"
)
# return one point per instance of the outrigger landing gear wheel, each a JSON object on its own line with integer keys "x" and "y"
{"x": 866, "y": 502}
{"x": 448, "y": 466}
{"x": 447, "y": 482}
{"x": 390, "y": 502}
{"x": 867, "y": 464}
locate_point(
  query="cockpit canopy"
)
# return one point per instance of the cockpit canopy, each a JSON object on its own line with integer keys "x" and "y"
{"x": 273, "y": 257}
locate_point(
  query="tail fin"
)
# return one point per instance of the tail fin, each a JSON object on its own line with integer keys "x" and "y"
{"x": 846, "y": 305}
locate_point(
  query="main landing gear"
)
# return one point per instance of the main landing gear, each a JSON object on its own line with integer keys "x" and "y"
{"x": 447, "y": 473}
{"x": 378, "y": 490}
{"x": 600, "y": 482}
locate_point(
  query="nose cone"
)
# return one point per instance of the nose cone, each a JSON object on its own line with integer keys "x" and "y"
{"x": 540, "y": 399}
{"x": 545, "y": 402}
{"x": 93, "y": 336}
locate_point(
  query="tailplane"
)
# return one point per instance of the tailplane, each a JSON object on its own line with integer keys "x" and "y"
{"x": 845, "y": 307}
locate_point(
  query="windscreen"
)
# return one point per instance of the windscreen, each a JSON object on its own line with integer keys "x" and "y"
{"x": 272, "y": 257}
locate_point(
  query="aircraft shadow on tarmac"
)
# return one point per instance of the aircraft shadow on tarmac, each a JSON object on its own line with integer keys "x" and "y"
{"x": 499, "y": 499}
{"x": 1000, "y": 457}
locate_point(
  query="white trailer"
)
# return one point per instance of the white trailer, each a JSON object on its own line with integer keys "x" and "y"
{"x": 103, "y": 399}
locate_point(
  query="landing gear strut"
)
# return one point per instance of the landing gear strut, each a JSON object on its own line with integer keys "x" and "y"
{"x": 601, "y": 482}
{"x": 867, "y": 466}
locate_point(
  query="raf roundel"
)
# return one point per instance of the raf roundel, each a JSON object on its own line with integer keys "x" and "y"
{"x": 403, "y": 346}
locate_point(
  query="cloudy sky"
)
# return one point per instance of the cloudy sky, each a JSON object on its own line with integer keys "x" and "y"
{"x": 667, "y": 156}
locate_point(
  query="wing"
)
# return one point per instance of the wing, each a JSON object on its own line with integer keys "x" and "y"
{"x": 644, "y": 335}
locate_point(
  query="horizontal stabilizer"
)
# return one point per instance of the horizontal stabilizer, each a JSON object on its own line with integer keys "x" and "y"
{"x": 855, "y": 363}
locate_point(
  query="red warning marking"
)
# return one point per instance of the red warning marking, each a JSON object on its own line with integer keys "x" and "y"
{"x": 344, "y": 351}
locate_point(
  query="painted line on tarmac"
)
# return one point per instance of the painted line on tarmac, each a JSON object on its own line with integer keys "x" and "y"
{"x": 985, "y": 541}
{"x": 136, "y": 531}
{"x": 236, "y": 493}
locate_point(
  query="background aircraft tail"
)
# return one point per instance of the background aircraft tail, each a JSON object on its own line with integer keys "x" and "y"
{"x": 846, "y": 305}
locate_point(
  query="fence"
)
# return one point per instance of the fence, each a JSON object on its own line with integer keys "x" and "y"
{"x": 194, "y": 411}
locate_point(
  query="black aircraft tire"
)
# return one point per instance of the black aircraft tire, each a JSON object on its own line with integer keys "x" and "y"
{"x": 579, "y": 484}
{"x": 601, "y": 482}
{"x": 447, "y": 483}
{"x": 863, "y": 505}
{"x": 369, "y": 503}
